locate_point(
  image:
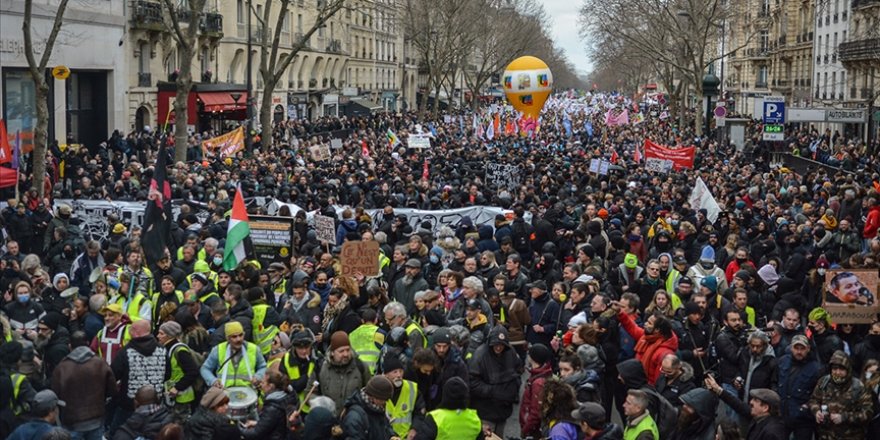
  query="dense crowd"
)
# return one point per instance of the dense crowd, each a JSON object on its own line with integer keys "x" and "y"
{"x": 601, "y": 307}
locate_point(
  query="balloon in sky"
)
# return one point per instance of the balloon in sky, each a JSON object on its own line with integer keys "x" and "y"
{"x": 527, "y": 84}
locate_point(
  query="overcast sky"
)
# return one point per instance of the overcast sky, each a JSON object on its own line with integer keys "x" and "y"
{"x": 564, "y": 28}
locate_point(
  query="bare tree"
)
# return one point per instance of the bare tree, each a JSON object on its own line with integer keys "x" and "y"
{"x": 274, "y": 61}
{"x": 41, "y": 86}
{"x": 184, "y": 26}
{"x": 682, "y": 35}
{"x": 503, "y": 34}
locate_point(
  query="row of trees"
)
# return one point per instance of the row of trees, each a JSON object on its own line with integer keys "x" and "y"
{"x": 672, "y": 41}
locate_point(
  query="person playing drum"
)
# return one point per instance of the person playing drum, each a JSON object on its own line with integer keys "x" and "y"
{"x": 234, "y": 363}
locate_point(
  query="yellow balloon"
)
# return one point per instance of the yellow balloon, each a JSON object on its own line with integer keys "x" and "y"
{"x": 527, "y": 83}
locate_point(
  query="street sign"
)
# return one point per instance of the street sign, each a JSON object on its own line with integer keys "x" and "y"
{"x": 847, "y": 116}
{"x": 773, "y": 132}
{"x": 720, "y": 112}
{"x": 61, "y": 72}
{"x": 774, "y": 110}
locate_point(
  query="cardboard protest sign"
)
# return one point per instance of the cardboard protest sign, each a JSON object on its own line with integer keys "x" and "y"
{"x": 850, "y": 295}
{"x": 500, "y": 175}
{"x": 360, "y": 257}
{"x": 319, "y": 152}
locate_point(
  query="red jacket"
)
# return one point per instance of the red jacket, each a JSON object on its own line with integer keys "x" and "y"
{"x": 530, "y": 407}
{"x": 650, "y": 349}
{"x": 872, "y": 223}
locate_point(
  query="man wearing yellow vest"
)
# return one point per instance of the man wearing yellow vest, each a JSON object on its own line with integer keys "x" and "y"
{"x": 133, "y": 299}
{"x": 266, "y": 320}
{"x": 395, "y": 316}
{"x": 406, "y": 408}
{"x": 639, "y": 423}
{"x": 115, "y": 335}
{"x": 234, "y": 363}
{"x": 368, "y": 339}
{"x": 301, "y": 364}
{"x": 453, "y": 420}
{"x": 22, "y": 391}
{"x": 181, "y": 371}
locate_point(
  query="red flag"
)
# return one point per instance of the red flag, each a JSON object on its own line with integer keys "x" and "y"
{"x": 425, "y": 172}
{"x": 5, "y": 149}
{"x": 637, "y": 155}
{"x": 365, "y": 151}
{"x": 496, "y": 124}
{"x": 614, "y": 156}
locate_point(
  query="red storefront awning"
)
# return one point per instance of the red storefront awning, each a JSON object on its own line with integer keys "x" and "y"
{"x": 222, "y": 101}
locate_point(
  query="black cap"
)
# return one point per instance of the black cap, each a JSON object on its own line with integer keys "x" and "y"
{"x": 473, "y": 304}
{"x": 686, "y": 280}
{"x": 540, "y": 284}
{"x": 591, "y": 413}
{"x": 691, "y": 308}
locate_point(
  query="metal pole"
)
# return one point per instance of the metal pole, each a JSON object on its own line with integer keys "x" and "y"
{"x": 248, "y": 140}
{"x": 723, "y": 55}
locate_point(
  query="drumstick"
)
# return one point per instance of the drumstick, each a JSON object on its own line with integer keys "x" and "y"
{"x": 308, "y": 396}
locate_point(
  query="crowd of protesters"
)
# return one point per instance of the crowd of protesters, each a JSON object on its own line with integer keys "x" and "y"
{"x": 602, "y": 307}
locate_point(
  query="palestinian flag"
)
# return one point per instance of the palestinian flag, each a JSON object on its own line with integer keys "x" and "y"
{"x": 157, "y": 216}
{"x": 237, "y": 235}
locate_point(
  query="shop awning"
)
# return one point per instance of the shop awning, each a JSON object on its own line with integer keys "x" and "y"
{"x": 222, "y": 101}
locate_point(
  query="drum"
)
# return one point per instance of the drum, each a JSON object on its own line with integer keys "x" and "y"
{"x": 242, "y": 403}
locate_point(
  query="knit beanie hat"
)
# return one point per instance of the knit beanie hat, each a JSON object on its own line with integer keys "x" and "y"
{"x": 339, "y": 339}
{"x": 390, "y": 363}
{"x": 379, "y": 387}
{"x": 233, "y": 328}
{"x": 710, "y": 282}
{"x": 171, "y": 328}
{"x": 540, "y": 354}
{"x": 455, "y": 394}
{"x": 708, "y": 254}
{"x": 630, "y": 261}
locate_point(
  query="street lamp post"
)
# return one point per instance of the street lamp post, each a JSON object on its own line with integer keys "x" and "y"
{"x": 710, "y": 89}
{"x": 248, "y": 140}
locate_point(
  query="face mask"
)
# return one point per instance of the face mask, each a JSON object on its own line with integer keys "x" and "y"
{"x": 24, "y": 298}
{"x": 821, "y": 271}
{"x": 218, "y": 261}
{"x": 707, "y": 266}
{"x": 741, "y": 260}
{"x": 434, "y": 259}
{"x": 869, "y": 374}
{"x": 674, "y": 222}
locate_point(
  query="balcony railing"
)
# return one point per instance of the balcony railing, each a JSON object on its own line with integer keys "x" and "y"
{"x": 147, "y": 15}
{"x": 864, "y": 3}
{"x": 334, "y": 46}
{"x": 145, "y": 79}
{"x": 212, "y": 24}
{"x": 859, "y": 50}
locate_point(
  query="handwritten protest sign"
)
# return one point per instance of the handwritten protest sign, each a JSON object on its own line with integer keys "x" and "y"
{"x": 335, "y": 144}
{"x": 320, "y": 152}
{"x": 501, "y": 175}
{"x": 325, "y": 229}
{"x": 360, "y": 257}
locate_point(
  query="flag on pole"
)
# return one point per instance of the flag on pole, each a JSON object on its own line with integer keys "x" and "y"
{"x": 638, "y": 118}
{"x": 5, "y": 148}
{"x": 365, "y": 150}
{"x": 393, "y": 141}
{"x": 425, "y": 172}
{"x": 614, "y": 156}
{"x": 157, "y": 216}
{"x": 239, "y": 231}
{"x": 490, "y": 132}
{"x": 496, "y": 124}
{"x": 637, "y": 155}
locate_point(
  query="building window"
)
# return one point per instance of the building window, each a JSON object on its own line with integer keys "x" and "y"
{"x": 241, "y": 10}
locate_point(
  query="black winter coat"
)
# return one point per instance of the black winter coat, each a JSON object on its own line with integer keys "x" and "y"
{"x": 273, "y": 418}
{"x": 765, "y": 428}
{"x": 146, "y": 422}
{"x": 764, "y": 375}
{"x": 494, "y": 382}
{"x": 360, "y": 422}
{"x": 728, "y": 348}
{"x": 205, "y": 423}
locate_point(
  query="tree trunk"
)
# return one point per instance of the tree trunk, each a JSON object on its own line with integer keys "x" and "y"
{"x": 41, "y": 134}
{"x": 184, "y": 85}
{"x": 698, "y": 114}
{"x": 266, "y": 113}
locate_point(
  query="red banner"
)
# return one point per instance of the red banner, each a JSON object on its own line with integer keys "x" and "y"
{"x": 680, "y": 157}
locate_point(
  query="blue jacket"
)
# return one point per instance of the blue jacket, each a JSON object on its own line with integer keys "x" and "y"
{"x": 796, "y": 383}
{"x": 35, "y": 429}
{"x": 344, "y": 228}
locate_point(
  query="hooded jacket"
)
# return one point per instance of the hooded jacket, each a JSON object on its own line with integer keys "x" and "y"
{"x": 764, "y": 374}
{"x": 141, "y": 362}
{"x": 56, "y": 349}
{"x": 530, "y": 406}
{"x": 84, "y": 378}
{"x": 205, "y": 423}
{"x": 146, "y": 422}
{"x": 705, "y": 404}
{"x": 494, "y": 380}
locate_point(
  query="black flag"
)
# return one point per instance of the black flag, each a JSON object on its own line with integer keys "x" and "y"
{"x": 157, "y": 217}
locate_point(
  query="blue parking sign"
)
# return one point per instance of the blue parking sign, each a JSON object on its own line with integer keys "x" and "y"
{"x": 774, "y": 110}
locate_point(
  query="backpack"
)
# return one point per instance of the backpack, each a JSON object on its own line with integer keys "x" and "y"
{"x": 665, "y": 415}
{"x": 520, "y": 236}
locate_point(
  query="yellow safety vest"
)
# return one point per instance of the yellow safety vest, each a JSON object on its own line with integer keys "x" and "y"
{"x": 183, "y": 396}
{"x": 132, "y": 307}
{"x": 646, "y": 424}
{"x": 154, "y": 299}
{"x": 263, "y": 336}
{"x": 237, "y": 375}
{"x": 293, "y": 373}
{"x": 456, "y": 424}
{"x": 366, "y": 341}
{"x": 201, "y": 255}
{"x": 413, "y": 327}
{"x": 401, "y": 411}
{"x": 18, "y": 408}
{"x": 204, "y": 298}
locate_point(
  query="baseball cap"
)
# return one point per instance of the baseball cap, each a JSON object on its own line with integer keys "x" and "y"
{"x": 800, "y": 340}
{"x": 45, "y": 401}
{"x": 414, "y": 263}
{"x": 112, "y": 308}
{"x": 590, "y": 412}
{"x": 767, "y": 396}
